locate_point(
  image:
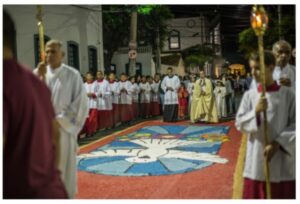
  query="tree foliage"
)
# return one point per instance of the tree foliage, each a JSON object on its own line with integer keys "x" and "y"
{"x": 156, "y": 18}
{"x": 116, "y": 26}
{"x": 197, "y": 55}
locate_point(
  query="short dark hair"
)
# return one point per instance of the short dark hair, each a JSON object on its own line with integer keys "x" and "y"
{"x": 8, "y": 30}
{"x": 170, "y": 68}
{"x": 268, "y": 55}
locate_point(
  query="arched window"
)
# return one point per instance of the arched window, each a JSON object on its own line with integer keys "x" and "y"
{"x": 174, "y": 40}
{"x": 73, "y": 54}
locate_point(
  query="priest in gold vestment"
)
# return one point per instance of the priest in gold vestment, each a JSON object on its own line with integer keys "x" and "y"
{"x": 203, "y": 102}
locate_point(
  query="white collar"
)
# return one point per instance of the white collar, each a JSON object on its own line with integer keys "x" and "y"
{"x": 56, "y": 70}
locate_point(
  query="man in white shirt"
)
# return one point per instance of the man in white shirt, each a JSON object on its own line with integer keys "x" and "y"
{"x": 70, "y": 101}
{"x": 170, "y": 86}
{"x": 284, "y": 73}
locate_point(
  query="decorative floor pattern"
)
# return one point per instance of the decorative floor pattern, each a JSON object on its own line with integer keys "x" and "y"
{"x": 157, "y": 150}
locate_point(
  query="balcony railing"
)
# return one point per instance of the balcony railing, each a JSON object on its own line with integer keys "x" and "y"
{"x": 144, "y": 49}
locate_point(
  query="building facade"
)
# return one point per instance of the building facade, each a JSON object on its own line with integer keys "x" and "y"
{"x": 77, "y": 28}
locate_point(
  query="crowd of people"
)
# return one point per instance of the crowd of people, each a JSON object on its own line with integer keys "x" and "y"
{"x": 113, "y": 101}
{"x": 43, "y": 118}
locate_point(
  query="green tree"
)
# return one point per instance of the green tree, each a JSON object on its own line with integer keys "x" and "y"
{"x": 116, "y": 26}
{"x": 156, "y": 17}
{"x": 197, "y": 55}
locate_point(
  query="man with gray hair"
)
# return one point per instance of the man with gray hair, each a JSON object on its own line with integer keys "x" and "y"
{"x": 70, "y": 102}
{"x": 284, "y": 73}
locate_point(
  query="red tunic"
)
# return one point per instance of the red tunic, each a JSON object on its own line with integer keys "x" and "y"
{"x": 182, "y": 102}
{"x": 105, "y": 119}
{"x": 257, "y": 189}
{"x": 91, "y": 123}
{"x": 29, "y": 169}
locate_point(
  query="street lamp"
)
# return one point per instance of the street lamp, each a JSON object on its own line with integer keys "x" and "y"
{"x": 259, "y": 23}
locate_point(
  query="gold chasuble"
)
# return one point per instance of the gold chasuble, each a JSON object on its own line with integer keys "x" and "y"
{"x": 203, "y": 103}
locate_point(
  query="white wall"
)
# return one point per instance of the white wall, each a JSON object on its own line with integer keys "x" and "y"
{"x": 61, "y": 22}
{"x": 121, "y": 59}
{"x": 186, "y": 33}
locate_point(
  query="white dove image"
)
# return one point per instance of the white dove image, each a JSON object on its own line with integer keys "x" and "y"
{"x": 152, "y": 149}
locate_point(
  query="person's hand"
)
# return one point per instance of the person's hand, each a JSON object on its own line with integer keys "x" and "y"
{"x": 42, "y": 70}
{"x": 219, "y": 91}
{"x": 261, "y": 105}
{"x": 90, "y": 94}
{"x": 270, "y": 150}
{"x": 285, "y": 82}
{"x": 170, "y": 89}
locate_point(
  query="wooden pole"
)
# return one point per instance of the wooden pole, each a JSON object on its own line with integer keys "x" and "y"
{"x": 39, "y": 17}
{"x": 40, "y": 25}
{"x": 265, "y": 122}
{"x": 259, "y": 22}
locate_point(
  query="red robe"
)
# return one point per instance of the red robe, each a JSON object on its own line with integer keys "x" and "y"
{"x": 257, "y": 189}
{"x": 182, "y": 102}
{"x": 91, "y": 123}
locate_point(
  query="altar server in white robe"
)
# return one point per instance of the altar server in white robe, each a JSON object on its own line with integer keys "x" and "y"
{"x": 154, "y": 104}
{"x": 125, "y": 99}
{"x": 220, "y": 93}
{"x": 284, "y": 73}
{"x": 170, "y": 86}
{"x": 135, "y": 97}
{"x": 70, "y": 102}
{"x": 145, "y": 98}
{"x": 190, "y": 89}
{"x": 105, "y": 112}
{"x": 115, "y": 91}
{"x": 91, "y": 123}
{"x": 280, "y": 152}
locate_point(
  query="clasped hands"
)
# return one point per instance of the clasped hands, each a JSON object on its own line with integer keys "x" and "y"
{"x": 170, "y": 89}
